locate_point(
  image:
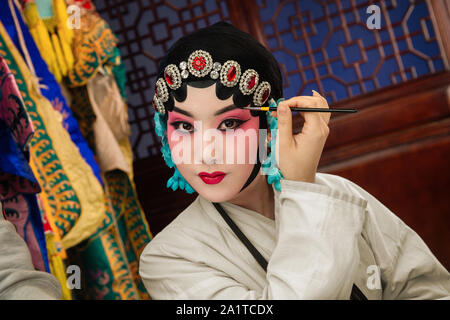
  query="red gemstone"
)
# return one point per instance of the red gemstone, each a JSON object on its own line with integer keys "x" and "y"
{"x": 251, "y": 83}
{"x": 169, "y": 78}
{"x": 198, "y": 63}
{"x": 265, "y": 95}
{"x": 231, "y": 74}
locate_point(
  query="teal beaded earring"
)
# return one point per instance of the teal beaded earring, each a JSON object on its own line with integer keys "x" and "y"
{"x": 177, "y": 180}
{"x": 269, "y": 166}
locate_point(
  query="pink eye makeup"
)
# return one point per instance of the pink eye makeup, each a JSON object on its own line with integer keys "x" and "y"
{"x": 231, "y": 123}
{"x": 228, "y": 120}
{"x": 182, "y": 126}
{"x": 237, "y": 119}
{"x": 232, "y": 119}
{"x": 180, "y": 122}
{"x": 227, "y": 124}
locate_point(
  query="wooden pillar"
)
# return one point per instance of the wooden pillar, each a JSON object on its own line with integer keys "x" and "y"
{"x": 244, "y": 14}
{"x": 440, "y": 15}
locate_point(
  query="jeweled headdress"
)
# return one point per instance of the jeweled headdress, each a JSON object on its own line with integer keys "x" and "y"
{"x": 200, "y": 64}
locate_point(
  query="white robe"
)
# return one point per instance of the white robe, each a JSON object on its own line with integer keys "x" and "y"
{"x": 18, "y": 279}
{"x": 326, "y": 236}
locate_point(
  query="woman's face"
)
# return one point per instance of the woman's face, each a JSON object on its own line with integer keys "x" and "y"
{"x": 213, "y": 143}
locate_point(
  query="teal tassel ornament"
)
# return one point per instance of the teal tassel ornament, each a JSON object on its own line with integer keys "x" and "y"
{"x": 177, "y": 181}
{"x": 269, "y": 165}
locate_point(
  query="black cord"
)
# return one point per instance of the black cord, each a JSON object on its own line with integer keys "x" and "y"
{"x": 255, "y": 253}
{"x": 356, "y": 292}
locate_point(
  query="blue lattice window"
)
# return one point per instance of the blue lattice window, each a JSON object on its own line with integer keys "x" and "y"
{"x": 327, "y": 46}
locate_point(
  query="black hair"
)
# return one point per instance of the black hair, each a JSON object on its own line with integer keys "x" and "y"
{"x": 224, "y": 42}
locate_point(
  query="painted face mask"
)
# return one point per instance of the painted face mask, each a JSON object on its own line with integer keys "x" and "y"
{"x": 243, "y": 72}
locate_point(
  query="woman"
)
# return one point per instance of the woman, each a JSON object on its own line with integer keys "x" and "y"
{"x": 260, "y": 228}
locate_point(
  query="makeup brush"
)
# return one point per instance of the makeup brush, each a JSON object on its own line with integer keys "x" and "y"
{"x": 301, "y": 109}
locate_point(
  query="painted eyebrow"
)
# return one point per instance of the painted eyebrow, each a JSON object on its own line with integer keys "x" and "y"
{"x": 218, "y": 112}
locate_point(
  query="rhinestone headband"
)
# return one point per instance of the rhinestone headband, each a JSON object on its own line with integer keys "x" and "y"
{"x": 200, "y": 64}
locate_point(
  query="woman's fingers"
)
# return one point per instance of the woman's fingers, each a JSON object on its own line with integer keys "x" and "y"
{"x": 322, "y": 104}
{"x": 313, "y": 120}
{"x": 298, "y": 155}
{"x": 284, "y": 115}
{"x": 316, "y": 123}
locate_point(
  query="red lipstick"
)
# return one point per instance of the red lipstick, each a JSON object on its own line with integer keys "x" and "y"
{"x": 212, "y": 178}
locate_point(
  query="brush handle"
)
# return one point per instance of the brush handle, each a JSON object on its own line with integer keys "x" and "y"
{"x": 303, "y": 109}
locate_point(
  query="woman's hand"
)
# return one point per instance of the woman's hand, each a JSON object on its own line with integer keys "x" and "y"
{"x": 298, "y": 155}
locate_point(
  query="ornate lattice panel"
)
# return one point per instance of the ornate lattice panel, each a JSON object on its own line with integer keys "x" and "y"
{"x": 327, "y": 46}
{"x": 146, "y": 29}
